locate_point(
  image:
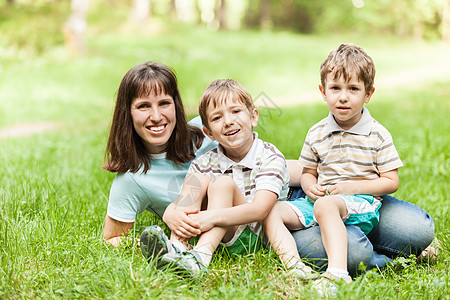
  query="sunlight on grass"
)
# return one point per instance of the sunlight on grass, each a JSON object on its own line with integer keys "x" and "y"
{"x": 54, "y": 194}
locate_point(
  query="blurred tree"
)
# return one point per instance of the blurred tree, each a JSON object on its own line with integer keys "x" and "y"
{"x": 172, "y": 8}
{"x": 265, "y": 14}
{"x": 140, "y": 13}
{"x": 446, "y": 21}
{"x": 221, "y": 13}
{"x": 251, "y": 16}
{"x": 198, "y": 9}
{"x": 75, "y": 27}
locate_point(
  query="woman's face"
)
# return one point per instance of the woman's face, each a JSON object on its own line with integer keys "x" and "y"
{"x": 154, "y": 120}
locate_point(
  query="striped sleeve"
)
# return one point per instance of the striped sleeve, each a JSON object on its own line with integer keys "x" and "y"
{"x": 308, "y": 156}
{"x": 387, "y": 156}
{"x": 205, "y": 164}
{"x": 273, "y": 175}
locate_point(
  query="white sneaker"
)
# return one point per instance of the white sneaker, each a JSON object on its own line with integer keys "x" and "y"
{"x": 302, "y": 272}
{"x": 188, "y": 262}
{"x": 327, "y": 284}
{"x": 154, "y": 243}
{"x": 431, "y": 252}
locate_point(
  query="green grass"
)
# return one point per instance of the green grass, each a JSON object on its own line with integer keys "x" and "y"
{"x": 53, "y": 193}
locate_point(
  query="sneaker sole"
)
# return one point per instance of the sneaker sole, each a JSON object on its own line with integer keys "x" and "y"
{"x": 153, "y": 243}
{"x": 171, "y": 263}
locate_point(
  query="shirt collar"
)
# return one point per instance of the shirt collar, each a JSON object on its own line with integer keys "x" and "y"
{"x": 248, "y": 161}
{"x": 363, "y": 127}
{"x": 159, "y": 155}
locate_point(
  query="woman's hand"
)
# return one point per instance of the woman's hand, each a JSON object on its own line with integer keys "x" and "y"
{"x": 180, "y": 223}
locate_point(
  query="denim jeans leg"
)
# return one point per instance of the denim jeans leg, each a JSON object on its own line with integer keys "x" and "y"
{"x": 360, "y": 249}
{"x": 404, "y": 229}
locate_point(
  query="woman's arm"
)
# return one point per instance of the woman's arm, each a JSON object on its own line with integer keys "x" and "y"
{"x": 295, "y": 170}
{"x": 114, "y": 231}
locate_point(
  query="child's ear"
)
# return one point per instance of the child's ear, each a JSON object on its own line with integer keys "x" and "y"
{"x": 208, "y": 133}
{"x": 369, "y": 95}
{"x": 322, "y": 91}
{"x": 255, "y": 117}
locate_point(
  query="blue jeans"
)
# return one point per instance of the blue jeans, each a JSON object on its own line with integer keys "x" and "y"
{"x": 404, "y": 229}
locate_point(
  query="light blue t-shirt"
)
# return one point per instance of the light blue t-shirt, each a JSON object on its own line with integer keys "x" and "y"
{"x": 132, "y": 193}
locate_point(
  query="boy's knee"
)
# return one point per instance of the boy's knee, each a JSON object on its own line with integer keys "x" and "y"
{"x": 274, "y": 214}
{"x": 197, "y": 180}
{"x": 223, "y": 182}
{"x": 326, "y": 206}
{"x": 321, "y": 209}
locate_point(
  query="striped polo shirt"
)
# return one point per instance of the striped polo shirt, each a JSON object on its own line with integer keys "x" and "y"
{"x": 360, "y": 153}
{"x": 263, "y": 168}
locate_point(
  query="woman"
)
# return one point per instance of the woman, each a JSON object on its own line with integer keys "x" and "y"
{"x": 151, "y": 145}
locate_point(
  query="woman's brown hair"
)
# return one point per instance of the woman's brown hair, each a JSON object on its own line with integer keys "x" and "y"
{"x": 125, "y": 150}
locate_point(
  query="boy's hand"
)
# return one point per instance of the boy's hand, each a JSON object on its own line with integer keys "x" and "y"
{"x": 315, "y": 191}
{"x": 204, "y": 219}
{"x": 344, "y": 188}
{"x": 180, "y": 223}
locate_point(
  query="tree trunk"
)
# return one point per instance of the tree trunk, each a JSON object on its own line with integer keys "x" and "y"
{"x": 265, "y": 21}
{"x": 75, "y": 27}
{"x": 199, "y": 12}
{"x": 222, "y": 14}
{"x": 141, "y": 12}
{"x": 172, "y": 8}
{"x": 446, "y": 21}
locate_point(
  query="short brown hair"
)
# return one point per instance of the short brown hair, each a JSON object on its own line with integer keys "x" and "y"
{"x": 125, "y": 150}
{"x": 346, "y": 59}
{"x": 218, "y": 91}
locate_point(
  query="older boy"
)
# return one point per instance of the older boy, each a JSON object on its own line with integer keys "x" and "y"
{"x": 243, "y": 178}
{"x": 349, "y": 160}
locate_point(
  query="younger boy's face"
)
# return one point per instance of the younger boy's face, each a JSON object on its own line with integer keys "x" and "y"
{"x": 231, "y": 124}
{"x": 345, "y": 99}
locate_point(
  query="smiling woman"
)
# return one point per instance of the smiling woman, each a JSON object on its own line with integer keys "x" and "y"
{"x": 150, "y": 146}
{"x": 154, "y": 120}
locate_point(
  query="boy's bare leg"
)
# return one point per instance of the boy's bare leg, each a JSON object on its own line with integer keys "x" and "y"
{"x": 222, "y": 193}
{"x": 191, "y": 197}
{"x": 329, "y": 211}
{"x": 280, "y": 220}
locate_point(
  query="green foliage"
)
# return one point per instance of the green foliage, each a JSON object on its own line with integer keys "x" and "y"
{"x": 33, "y": 28}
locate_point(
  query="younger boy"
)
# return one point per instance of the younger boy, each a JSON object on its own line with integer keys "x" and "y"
{"x": 242, "y": 178}
{"x": 348, "y": 159}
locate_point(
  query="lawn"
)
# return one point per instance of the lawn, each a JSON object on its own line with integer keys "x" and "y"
{"x": 53, "y": 192}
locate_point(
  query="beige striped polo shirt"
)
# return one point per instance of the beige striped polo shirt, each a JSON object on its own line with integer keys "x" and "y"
{"x": 263, "y": 168}
{"x": 360, "y": 153}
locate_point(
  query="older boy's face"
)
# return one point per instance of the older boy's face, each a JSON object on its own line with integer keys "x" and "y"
{"x": 231, "y": 124}
{"x": 345, "y": 99}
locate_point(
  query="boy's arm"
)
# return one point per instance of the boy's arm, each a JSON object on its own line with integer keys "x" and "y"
{"x": 386, "y": 184}
{"x": 255, "y": 211}
{"x": 309, "y": 184}
{"x": 176, "y": 215}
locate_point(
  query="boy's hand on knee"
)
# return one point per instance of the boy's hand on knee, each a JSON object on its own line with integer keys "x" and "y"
{"x": 204, "y": 219}
{"x": 315, "y": 191}
{"x": 345, "y": 188}
{"x": 180, "y": 223}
